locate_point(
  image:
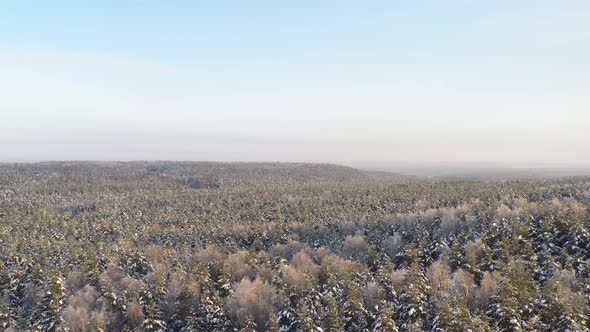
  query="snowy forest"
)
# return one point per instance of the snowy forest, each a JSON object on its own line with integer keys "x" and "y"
{"x": 183, "y": 246}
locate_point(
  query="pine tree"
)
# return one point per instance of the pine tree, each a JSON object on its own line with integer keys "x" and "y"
{"x": 249, "y": 325}
{"x": 184, "y": 316}
{"x": 273, "y": 324}
{"x": 49, "y": 313}
{"x": 329, "y": 284}
{"x": 211, "y": 315}
{"x": 355, "y": 315}
{"x": 457, "y": 256}
{"x": 152, "y": 315}
{"x": 568, "y": 323}
{"x": 374, "y": 259}
{"x": 190, "y": 324}
{"x": 7, "y": 315}
{"x": 504, "y": 308}
{"x": 546, "y": 266}
{"x": 15, "y": 289}
{"x": 456, "y": 317}
{"x": 385, "y": 321}
{"x": 288, "y": 317}
{"x": 307, "y": 315}
{"x": 91, "y": 268}
{"x": 6, "y": 319}
{"x": 514, "y": 307}
{"x": 153, "y": 319}
{"x": 331, "y": 318}
{"x": 384, "y": 277}
{"x": 566, "y": 309}
{"x": 412, "y": 310}
{"x": 219, "y": 272}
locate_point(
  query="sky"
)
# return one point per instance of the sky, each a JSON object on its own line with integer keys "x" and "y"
{"x": 462, "y": 81}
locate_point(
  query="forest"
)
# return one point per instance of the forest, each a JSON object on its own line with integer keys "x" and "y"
{"x": 196, "y": 246}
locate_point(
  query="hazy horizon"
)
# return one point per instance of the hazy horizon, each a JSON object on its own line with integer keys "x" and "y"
{"x": 361, "y": 153}
{"x": 452, "y": 82}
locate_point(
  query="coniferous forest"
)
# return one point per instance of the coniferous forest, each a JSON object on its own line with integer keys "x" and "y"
{"x": 180, "y": 246}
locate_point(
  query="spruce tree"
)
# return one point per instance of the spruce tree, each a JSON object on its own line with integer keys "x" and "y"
{"x": 249, "y": 325}
{"x": 211, "y": 315}
{"x": 6, "y": 319}
{"x": 457, "y": 256}
{"x": 273, "y": 324}
{"x": 354, "y": 313}
{"x": 384, "y": 278}
{"x": 385, "y": 321}
{"x": 48, "y": 317}
{"x": 152, "y": 315}
{"x": 219, "y": 273}
{"x": 288, "y": 319}
{"x": 306, "y": 317}
{"x": 566, "y": 307}
{"x": 412, "y": 312}
{"x": 515, "y": 307}
{"x": 184, "y": 316}
{"x": 331, "y": 321}
{"x": 7, "y": 314}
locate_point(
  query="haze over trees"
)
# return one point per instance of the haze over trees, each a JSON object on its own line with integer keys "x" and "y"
{"x": 181, "y": 246}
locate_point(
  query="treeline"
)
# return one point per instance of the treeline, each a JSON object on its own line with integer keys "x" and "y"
{"x": 135, "y": 247}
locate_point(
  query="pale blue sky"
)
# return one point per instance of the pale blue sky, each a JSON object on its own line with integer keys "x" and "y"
{"x": 338, "y": 81}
